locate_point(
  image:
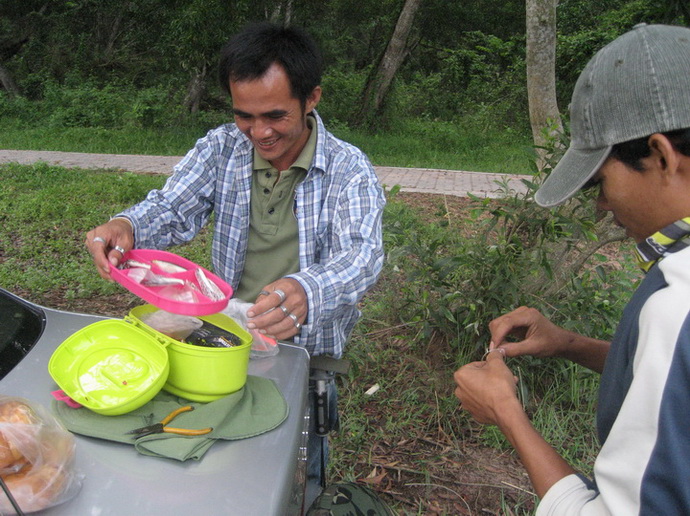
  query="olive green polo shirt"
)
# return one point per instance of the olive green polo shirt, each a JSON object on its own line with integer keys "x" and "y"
{"x": 273, "y": 245}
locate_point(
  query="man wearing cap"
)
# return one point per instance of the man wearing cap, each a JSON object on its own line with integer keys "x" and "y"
{"x": 630, "y": 119}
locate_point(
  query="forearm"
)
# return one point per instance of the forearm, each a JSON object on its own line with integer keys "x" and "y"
{"x": 544, "y": 465}
{"x": 586, "y": 351}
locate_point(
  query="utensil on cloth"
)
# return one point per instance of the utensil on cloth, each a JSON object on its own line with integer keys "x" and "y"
{"x": 257, "y": 408}
{"x": 158, "y": 428}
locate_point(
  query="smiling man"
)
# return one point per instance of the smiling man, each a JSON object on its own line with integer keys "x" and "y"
{"x": 630, "y": 119}
{"x": 297, "y": 212}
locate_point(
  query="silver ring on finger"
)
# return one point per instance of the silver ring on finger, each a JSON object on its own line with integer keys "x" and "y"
{"x": 99, "y": 240}
{"x": 280, "y": 294}
{"x": 286, "y": 312}
{"x": 295, "y": 321}
{"x": 119, "y": 249}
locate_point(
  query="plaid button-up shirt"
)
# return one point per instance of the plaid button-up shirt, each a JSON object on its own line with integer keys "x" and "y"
{"x": 338, "y": 206}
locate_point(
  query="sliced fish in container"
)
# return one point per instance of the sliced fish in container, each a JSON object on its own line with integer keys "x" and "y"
{"x": 208, "y": 288}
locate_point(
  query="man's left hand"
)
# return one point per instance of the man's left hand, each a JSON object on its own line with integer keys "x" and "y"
{"x": 484, "y": 388}
{"x": 280, "y": 309}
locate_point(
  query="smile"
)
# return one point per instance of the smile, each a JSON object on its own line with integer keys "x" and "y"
{"x": 266, "y": 143}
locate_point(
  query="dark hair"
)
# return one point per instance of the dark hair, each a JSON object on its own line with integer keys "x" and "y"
{"x": 633, "y": 152}
{"x": 251, "y": 52}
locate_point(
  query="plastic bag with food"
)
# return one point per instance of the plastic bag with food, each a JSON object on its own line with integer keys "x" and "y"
{"x": 36, "y": 458}
{"x": 262, "y": 345}
{"x": 175, "y": 326}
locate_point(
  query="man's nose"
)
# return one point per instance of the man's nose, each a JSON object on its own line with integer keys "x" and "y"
{"x": 260, "y": 129}
{"x": 602, "y": 202}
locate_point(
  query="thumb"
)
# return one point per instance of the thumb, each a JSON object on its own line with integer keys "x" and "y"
{"x": 496, "y": 354}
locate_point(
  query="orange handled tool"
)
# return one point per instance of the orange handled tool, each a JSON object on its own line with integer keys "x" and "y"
{"x": 161, "y": 427}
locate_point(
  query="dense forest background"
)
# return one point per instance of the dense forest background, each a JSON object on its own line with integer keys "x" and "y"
{"x": 152, "y": 63}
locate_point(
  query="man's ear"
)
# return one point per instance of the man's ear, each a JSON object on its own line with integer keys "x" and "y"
{"x": 664, "y": 156}
{"x": 313, "y": 99}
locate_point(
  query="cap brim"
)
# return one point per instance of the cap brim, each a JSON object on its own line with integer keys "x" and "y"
{"x": 576, "y": 167}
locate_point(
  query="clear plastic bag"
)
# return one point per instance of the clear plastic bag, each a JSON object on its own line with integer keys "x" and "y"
{"x": 36, "y": 458}
{"x": 175, "y": 326}
{"x": 262, "y": 346}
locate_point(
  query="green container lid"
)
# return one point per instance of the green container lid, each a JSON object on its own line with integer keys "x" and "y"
{"x": 110, "y": 367}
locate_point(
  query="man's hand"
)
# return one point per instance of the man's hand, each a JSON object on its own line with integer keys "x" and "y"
{"x": 108, "y": 243}
{"x": 540, "y": 337}
{"x": 485, "y": 388}
{"x": 280, "y": 310}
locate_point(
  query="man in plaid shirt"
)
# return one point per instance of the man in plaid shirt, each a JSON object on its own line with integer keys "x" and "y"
{"x": 296, "y": 211}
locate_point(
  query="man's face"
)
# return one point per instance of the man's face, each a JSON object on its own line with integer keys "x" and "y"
{"x": 274, "y": 121}
{"x": 633, "y": 197}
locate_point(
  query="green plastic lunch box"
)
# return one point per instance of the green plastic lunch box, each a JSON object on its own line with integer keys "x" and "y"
{"x": 115, "y": 366}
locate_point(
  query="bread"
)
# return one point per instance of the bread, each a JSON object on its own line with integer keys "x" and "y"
{"x": 35, "y": 488}
{"x": 33, "y": 458}
{"x": 14, "y": 440}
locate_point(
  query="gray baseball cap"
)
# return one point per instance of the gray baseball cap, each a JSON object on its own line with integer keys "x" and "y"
{"x": 637, "y": 85}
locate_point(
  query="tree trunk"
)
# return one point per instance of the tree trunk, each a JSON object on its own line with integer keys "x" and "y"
{"x": 282, "y": 13}
{"x": 380, "y": 80}
{"x": 7, "y": 82}
{"x": 541, "y": 69}
{"x": 196, "y": 90}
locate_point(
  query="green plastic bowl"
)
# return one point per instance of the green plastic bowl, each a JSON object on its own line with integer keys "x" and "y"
{"x": 110, "y": 367}
{"x": 199, "y": 373}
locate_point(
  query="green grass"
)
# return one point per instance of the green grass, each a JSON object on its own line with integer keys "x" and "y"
{"x": 414, "y": 143}
{"x": 164, "y": 142}
{"x": 47, "y": 213}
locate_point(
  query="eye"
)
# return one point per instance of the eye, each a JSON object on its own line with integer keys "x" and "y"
{"x": 592, "y": 183}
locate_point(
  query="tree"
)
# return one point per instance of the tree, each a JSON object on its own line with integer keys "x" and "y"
{"x": 17, "y": 27}
{"x": 541, "y": 69}
{"x": 379, "y": 82}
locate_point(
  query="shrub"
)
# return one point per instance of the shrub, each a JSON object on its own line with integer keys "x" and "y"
{"x": 459, "y": 276}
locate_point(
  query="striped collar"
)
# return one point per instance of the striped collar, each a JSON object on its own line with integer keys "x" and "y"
{"x": 671, "y": 239}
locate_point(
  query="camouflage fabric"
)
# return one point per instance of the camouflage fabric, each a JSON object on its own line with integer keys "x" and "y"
{"x": 349, "y": 499}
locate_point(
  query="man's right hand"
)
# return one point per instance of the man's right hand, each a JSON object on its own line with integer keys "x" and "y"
{"x": 108, "y": 243}
{"x": 540, "y": 337}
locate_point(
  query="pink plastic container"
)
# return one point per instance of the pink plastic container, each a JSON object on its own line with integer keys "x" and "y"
{"x": 159, "y": 295}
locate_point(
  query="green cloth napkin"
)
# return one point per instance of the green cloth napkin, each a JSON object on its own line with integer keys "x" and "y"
{"x": 255, "y": 409}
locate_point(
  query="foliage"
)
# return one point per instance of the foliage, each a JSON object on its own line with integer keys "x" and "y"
{"x": 453, "y": 278}
{"x": 585, "y": 26}
{"x": 478, "y": 71}
{"x": 466, "y": 58}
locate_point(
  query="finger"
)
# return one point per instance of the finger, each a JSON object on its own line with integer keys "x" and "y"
{"x": 115, "y": 256}
{"x": 280, "y": 320}
{"x": 97, "y": 248}
{"x": 458, "y": 394}
{"x": 265, "y": 301}
{"x": 496, "y": 354}
{"x": 280, "y": 331}
{"x": 512, "y": 323}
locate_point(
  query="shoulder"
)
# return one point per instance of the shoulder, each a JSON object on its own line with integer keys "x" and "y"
{"x": 220, "y": 146}
{"x": 336, "y": 156}
{"x": 226, "y": 135}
